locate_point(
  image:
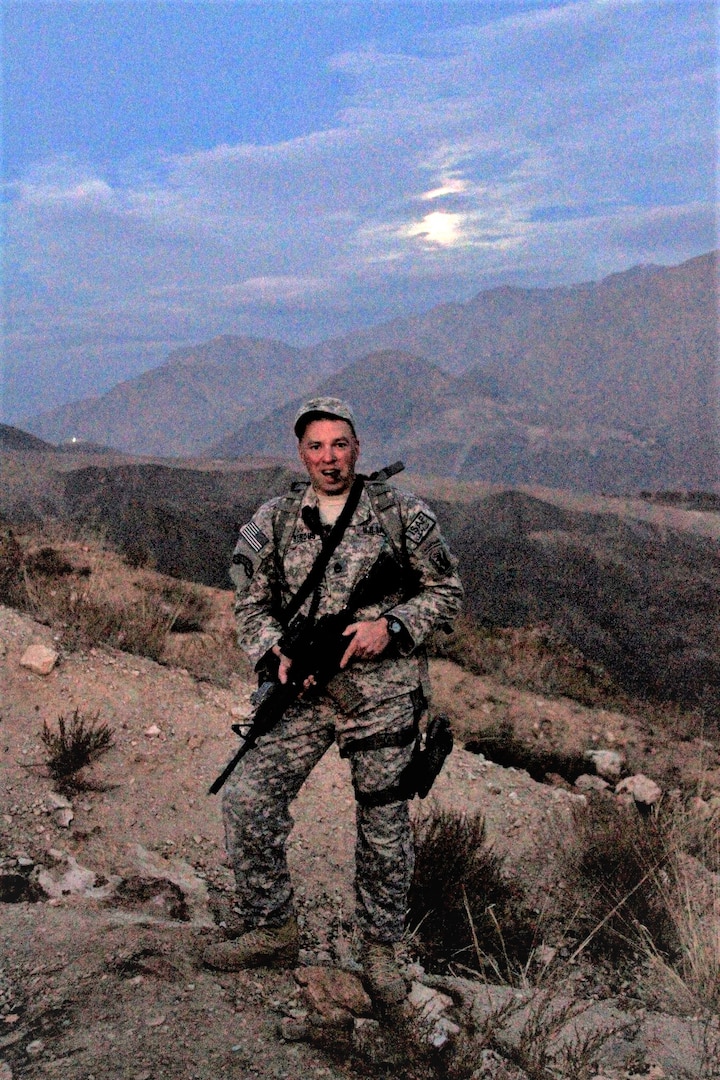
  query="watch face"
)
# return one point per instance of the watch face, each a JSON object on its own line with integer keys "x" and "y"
{"x": 394, "y": 627}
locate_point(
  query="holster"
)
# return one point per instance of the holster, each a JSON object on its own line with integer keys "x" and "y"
{"x": 419, "y": 775}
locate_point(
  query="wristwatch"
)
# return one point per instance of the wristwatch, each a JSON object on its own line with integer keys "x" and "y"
{"x": 395, "y": 628}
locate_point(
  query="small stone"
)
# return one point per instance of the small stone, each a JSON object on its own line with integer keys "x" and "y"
{"x": 608, "y": 763}
{"x": 63, "y": 817}
{"x": 35, "y": 1048}
{"x": 153, "y": 732}
{"x": 333, "y": 993}
{"x": 586, "y": 782}
{"x": 39, "y": 659}
{"x": 293, "y": 1029}
{"x": 155, "y": 1021}
{"x": 642, "y": 788}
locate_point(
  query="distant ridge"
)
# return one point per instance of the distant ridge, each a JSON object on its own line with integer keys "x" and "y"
{"x": 192, "y": 399}
{"x": 608, "y": 386}
{"x": 13, "y": 438}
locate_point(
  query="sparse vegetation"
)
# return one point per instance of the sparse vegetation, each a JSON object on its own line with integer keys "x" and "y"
{"x": 77, "y": 743}
{"x": 13, "y": 591}
{"x": 500, "y": 744}
{"x": 549, "y": 1045}
{"x": 86, "y": 593}
{"x": 534, "y": 658}
{"x": 462, "y": 913}
{"x": 186, "y": 604}
{"x": 691, "y": 894}
{"x": 619, "y": 860}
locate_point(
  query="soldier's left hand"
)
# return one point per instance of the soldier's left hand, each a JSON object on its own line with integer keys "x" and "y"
{"x": 368, "y": 639}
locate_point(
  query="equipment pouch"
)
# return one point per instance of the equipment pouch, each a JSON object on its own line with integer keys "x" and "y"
{"x": 430, "y": 759}
{"x": 343, "y": 690}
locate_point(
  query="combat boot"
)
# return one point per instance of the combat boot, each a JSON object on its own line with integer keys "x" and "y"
{"x": 266, "y": 946}
{"x": 385, "y": 981}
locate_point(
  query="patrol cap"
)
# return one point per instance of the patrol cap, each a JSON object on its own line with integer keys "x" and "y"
{"x": 319, "y": 407}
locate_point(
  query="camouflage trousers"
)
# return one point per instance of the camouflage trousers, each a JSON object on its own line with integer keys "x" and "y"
{"x": 257, "y": 819}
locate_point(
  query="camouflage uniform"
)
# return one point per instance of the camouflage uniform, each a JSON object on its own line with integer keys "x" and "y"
{"x": 377, "y": 733}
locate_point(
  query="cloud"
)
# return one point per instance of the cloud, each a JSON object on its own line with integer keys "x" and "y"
{"x": 554, "y": 145}
{"x": 449, "y": 186}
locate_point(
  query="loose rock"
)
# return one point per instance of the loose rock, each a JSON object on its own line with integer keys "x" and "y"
{"x": 642, "y": 788}
{"x": 40, "y": 659}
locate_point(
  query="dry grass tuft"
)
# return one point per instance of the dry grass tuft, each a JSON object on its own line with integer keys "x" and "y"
{"x": 532, "y": 658}
{"x": 619, "y": 859}
{"x": 690, "y": 889}
{"x": 462, "y": 912}
{"x": 75, "y": 745}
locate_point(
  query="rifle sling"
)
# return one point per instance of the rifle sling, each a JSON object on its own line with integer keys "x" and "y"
{"x": 331, "y": 542}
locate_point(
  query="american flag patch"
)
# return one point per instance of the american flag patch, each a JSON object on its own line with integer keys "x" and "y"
{"x": 418, "y": 528}
{"x": 255, "y": 538}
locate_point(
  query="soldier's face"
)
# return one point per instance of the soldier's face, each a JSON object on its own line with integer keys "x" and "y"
{"x": 329, "y": 451}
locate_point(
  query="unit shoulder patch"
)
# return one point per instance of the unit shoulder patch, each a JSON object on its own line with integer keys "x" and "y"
{"x": 439, "y": 558}
{"x": 419, "y": 528}
{"x": 242, "y": 560}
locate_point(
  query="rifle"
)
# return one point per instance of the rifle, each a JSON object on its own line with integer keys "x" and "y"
{"x": 316, "y": 649}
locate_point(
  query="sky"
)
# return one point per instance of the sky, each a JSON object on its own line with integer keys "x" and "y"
{"x": 297, "y": 169}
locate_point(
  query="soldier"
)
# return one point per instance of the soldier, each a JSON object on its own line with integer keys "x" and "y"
{"x": 372, "y": 708}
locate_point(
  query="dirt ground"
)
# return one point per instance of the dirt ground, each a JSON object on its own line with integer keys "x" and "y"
{"x": 97, "y": 982}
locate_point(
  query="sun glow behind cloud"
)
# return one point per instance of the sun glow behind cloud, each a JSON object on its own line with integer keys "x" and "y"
{"x": 454, "y": 186}
{"x": 439, "y": 227}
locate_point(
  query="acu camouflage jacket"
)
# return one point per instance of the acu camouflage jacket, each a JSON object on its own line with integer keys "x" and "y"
{"x": 268, "y": 568}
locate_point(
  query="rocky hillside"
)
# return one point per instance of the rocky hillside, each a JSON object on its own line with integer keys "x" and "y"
{"x": 112, "y": 881}
{"x": 12, "y": 438}
{"x": 193, "y": 399}
{"x": 466, "y": 427}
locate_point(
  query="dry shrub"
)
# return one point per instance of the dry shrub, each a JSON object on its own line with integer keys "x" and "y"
{"x": 691, "y": 892}
{"x": 75, "y": 745}
{"x": 186, "y": 605}
{"x": 462, "y": 912}
{"x": 13, "y": 589}
{"x": 89, "y": 619}
{"x": 49, "y": 562}
{"x": 619, "y": 862}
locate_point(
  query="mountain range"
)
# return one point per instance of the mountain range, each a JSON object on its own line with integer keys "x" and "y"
{"x": 602, "y": 386}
